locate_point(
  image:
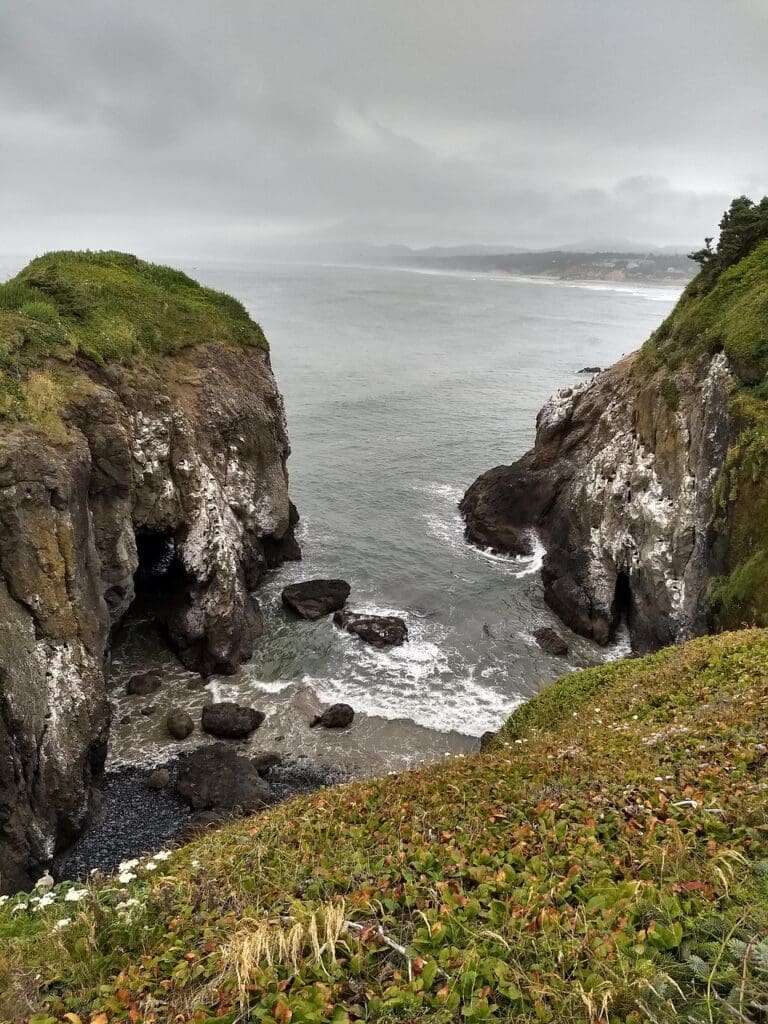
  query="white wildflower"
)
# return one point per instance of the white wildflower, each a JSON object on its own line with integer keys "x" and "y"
{"x": 43, "y": 901}
{"x": 62, "y": 923}
{"x": 125, "y": 877}
{"x": 75, "y": 895}
{"x": 127, "y": 865}
{"x": 125, "y": 908}
{"x": 194, "y": 863}
{"x": 4, "y": 899}
{"x": 150, "y": 865}
{"x": 20, "y": 907}
{"x": 162, "y": 855}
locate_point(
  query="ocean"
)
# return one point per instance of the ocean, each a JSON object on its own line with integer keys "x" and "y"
{"x": 400, "y": 388}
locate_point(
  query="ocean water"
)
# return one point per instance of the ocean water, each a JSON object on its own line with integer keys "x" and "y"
{"x": 400, "y": 388}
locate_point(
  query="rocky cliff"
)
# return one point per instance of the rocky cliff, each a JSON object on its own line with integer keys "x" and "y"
{"x": 646, "y": 485}
{"x": 619, "y": 489}
{"x": 108, "y": 456}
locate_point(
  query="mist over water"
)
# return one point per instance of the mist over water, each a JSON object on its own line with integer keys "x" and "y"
{"x": 400, "y": 388}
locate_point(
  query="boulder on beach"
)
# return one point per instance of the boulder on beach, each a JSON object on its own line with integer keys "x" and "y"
{"x": 313, "y": 599}
{"x": 265, "y": 760}
{"x": 379, "y": 630}
{"x": 337, "y": 716}
{"x": 179, "y": 723}
{"x": 231, "y": 721}
{"x": 143, "y": 683}
{"x": 549, "y": 640}
{"x": 158, "y": 779}
{"x": 218, "y": 778}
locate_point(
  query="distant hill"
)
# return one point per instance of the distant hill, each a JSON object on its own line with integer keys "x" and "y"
{"x": 653, "y": 267}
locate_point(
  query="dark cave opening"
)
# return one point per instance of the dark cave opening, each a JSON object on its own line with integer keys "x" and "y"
{"x": 622, "y": 602}
{"x": 159, "y": 578}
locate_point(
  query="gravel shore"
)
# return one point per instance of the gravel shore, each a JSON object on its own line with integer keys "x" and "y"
{"x": 135, "y": 820}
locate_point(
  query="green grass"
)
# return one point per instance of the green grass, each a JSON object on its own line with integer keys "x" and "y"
{"x": 606, "y": 860}
{"x": 731, "y": 317}
{"x": 106, "y": 307}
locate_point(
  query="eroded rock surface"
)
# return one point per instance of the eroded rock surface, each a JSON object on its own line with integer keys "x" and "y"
{"x": 379, "y": 630}
{"x": 337, "y": 716}
{"x": 218, "y": 778}
{"x": 312, "y": 599}
{"x": 231, "y": 721}
{"x": 619, "y": 489}
{"x": 192, "y": 453}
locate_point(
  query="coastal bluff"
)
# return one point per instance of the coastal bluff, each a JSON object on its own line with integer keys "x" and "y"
{"x": 646, "y": 485}
{"x": 141, "y": 432}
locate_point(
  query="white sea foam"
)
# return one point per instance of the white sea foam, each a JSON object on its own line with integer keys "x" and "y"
{"x": 459, "y": 705}
{"x": 445, "y": 524}
{"x": 271, "y": 685}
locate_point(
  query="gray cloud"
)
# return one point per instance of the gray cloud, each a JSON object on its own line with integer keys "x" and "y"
{"x": 189, "y": 127}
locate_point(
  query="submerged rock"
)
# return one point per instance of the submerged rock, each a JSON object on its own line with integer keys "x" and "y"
{"x": 218, "y": 778}
{"x": 549, "y": 640}
{"x": 231, "y": 721}
{"x": 591, "y": 369}
{"x": 179, "y": 724}
{"x": 337, "y": 716}
{"x": 143, "y": 684}
{"x": 379, "y": 630}
{"x": 313, "y": 599}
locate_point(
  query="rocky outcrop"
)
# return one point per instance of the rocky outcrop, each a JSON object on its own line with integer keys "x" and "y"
{"x": 337, "y": 716}
{"x": 312, "y": 599}
{"x": 549, "y": 640}
{"x": 619, "y": 490}
{"x": 230, "y": 721}
{"x": 188, "y": 458}
{"x": 379, "y": 630}
{"x": 217, "y": 778}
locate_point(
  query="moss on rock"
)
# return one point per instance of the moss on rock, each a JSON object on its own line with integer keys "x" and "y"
{"x": 104, "y": 307}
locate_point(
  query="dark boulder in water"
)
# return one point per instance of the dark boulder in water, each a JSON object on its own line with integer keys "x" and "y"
{"x": 143, "y": 684}
{"x": 218, "y": 778}
{"x": 379, "y": 630}
{"x": 179, "y": 724}
{"x": 591, "y": 369}
{"x": 231, "y": 721}
{"x": 549, "y": 640}
{"x": 313, "y": 599}
{"x": 337, "y": 716}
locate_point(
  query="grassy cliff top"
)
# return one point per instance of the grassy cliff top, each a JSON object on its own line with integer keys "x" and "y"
{"x": 606, "y": 860}
{"x": 731, "y": 316}
{"x": 105, "y": 306}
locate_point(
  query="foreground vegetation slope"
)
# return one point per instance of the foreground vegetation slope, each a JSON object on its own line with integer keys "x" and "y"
{"x": 104, "y": 307}
{"x": 725, "y": 309}
{"x": 606, "y": 860}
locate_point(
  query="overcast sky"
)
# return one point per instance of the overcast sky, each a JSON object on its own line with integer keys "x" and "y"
{"x": 182, "y": 127}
